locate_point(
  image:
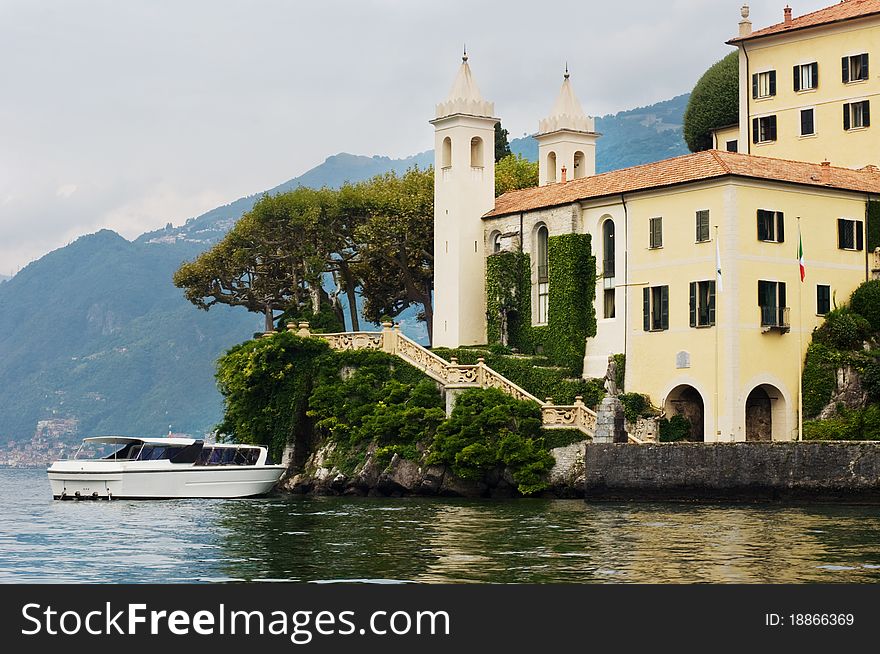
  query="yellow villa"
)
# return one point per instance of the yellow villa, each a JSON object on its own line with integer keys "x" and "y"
{"x": 698, "y": 275}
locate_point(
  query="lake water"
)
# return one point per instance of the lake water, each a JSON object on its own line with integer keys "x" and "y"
{"x": 426, "y": 540}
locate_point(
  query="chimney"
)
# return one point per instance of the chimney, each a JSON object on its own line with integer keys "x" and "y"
{"x": 787, "y": 14}
{"x": 826, "y": 172}
{"x": 564, "y": 173}
{"x": 745, "y": 25}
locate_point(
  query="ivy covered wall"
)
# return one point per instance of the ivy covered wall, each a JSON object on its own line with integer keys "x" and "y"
{"x": 509, "y": 300}
{"x": 572, "y": 288}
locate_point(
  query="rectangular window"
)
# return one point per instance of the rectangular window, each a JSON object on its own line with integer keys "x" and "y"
{"x": 806, "y": 77}
{"x": 764, "y": 84}
{"x": 855, "y": 68}
{"x": 850, "y": 235}
{"x": 808, "y": 122}
{"x": 543, "y": 302}
{"x": 655, "y": 300}
{"x": 823, "y": 299}
{"x": 702, "y": 304}
{"x": 610, "y": 302}
{"x": 771, "y": 301}
{"x": 656, "y": 226}
{"x": 764, "y": 129}
{"x": 702, "y": 226}
{"x": 732, "y": 146}
{"x": 857, "y": 115}
{"x": 771, "y": 226}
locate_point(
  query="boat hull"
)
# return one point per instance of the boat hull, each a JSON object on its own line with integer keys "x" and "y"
{"x": 190, "y": 482}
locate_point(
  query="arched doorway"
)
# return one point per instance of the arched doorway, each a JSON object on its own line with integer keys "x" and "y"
{"x": 686, "y": 401}
{"x": 763, "y": 419}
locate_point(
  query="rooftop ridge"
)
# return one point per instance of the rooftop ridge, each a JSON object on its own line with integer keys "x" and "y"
{"x": 841, "y": 11}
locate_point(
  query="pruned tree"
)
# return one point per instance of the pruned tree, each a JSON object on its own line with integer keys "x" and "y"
{"x": 714, "y": 103}
{"x": 502, "y": 146}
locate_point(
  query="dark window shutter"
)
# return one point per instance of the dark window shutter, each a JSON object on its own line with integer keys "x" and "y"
{"x": 772, "y": 82}
{"x": 804, "y": 124}
{"x": 693, "y": 303}
{"x": 816, "y": 76}
{"x": 664, "y": 307}
{"x": 846, "y": 119}
{"x": 780, "y": 227}
{"x": 864, "y": 66}
{"x": 782, "y": 303}
{"x": 755, "y": 85}
{"x": 772, "y": 128}
{"x": 755, "y": 130}
{"x": 860, "y": 236}
{"x": 762, "y": 226}
{"x": 841, "y": 233}
{"x": 797, "y": 78}
{"x": 646, "y": 303}
{"x": 866, "y": 113}
{"x": 711, "y": 303}
{"x": 845, "y": 62}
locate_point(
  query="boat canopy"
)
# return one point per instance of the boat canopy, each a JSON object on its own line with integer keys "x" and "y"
{"x": 124, "y": 440}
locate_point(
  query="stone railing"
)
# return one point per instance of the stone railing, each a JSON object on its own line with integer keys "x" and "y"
{"x": 453, "y": 375}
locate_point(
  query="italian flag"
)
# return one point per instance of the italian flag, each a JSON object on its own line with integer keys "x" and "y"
{"x": 801, "y": 255}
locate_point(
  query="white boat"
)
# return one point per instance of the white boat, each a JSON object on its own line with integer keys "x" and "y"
{"x": 162, "y": 468}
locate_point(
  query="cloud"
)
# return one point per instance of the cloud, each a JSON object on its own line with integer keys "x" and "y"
{"x": 65, "y": 190}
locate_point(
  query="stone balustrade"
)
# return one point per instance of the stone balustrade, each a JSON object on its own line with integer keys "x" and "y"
{"x": 453, "y": 375}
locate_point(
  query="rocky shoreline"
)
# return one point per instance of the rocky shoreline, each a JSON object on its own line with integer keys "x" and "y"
{"x": 402, "y": 477}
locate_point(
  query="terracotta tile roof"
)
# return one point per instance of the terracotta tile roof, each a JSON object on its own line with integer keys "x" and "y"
{"x": 845, "y": 10}
{"x": 682, "y": 170}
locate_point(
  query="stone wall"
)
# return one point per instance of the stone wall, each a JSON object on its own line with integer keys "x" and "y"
{"x": 733, "y": 471}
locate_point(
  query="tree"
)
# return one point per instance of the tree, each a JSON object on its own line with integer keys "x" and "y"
{"x": 502, "y": 147}
{"x": 395, "y": 237}
{"x": 514, "y": 172}
{"x": 714, "y": 103}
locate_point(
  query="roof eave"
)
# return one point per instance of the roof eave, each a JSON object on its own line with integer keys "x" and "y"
{"x": 757, "y": 35}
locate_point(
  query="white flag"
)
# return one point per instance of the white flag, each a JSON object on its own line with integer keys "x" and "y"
{"x": 718, "y": 279}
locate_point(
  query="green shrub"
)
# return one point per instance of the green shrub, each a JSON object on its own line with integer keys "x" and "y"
{"x": 843, "y": 329}
{"x": 489, "y": 429}
{"x": 871, "y": 380}
{"x": 820, "y": 377}
{"x": 677, "y": 428}
{"x": 865, "y": 301}
{"x": 873, "y": 226}
{"x": 554, "y": 438}
{"x": 636, "y": 406}
{"x": 620, "y": 378}
{"x": 848, "y": 425}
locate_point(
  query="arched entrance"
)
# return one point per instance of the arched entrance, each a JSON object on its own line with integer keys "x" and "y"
{"x": 765, "y": 414}
{"x": 686, "y": 401}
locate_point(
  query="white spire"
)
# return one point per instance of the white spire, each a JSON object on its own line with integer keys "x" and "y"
{"x": 465, "y": 98}
{"x": 567, "y": 112}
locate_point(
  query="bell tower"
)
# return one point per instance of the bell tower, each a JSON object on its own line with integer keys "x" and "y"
{"x": 566, "y": 140}
{"x": 464, "y": 190}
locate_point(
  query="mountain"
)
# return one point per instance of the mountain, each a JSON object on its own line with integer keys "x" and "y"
{"x": 94, "y": 337}
{"x": 3, "y": 278}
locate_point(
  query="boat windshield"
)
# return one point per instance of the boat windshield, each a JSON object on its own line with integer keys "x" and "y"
{"x": 241, "y": 455}
{"x": 101, "y": 450}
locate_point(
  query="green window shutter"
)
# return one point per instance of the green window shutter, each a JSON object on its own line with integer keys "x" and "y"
{"x": 860, "y": 235}
{"x": 866, "y": 113}
{"x": 772, "y": 128}
{"x": 646, "y": 304}
{"x": 693, "y": 303}
{"x": 782, "y": 303}
{"x": 864, "y": 66}
{"x": 756, "y": 130}
{"x": 755, "y": 85}
{"x": 711, "y": 303}
{"x": 772, "y": 82}
{"x": 797, "y": 78}
{"x": 762, "y": 226}
{"x": 841, "y": 233}
{"x": 846, "y": 117}
{"x": 845, "y": 65}
{"x": 780, "y": 227}
{"x": 664, "y": 307}
{"x": 816, "y": 75}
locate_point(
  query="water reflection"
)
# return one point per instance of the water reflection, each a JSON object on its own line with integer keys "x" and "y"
{"x": 424, "y": 540}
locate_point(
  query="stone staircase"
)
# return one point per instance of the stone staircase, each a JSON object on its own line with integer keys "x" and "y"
{"x": 454, "y": 376}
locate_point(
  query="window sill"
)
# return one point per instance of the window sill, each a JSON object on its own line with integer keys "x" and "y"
{"x": 655, "y": 247}
{"x": 764, "y": 143}
{"x": 763, "y": 98}
{"x": 850, "y": 249}
{"x": 807, "y": 91}
{"x": 855, "y": 129}
{"x": 808, "y": 136}
{"x": 771, "y": 242}
{"x": 658, "y": 331}
{"x": 708, "y": 240}
{"x": 856, "y": 82}
{"x": 703, "y": 326}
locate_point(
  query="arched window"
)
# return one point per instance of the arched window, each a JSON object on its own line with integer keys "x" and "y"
{"x": 446, "y": 155}
{"x": 580, "y": 167}
{"x": 608, "y": 248}
{"x": 551, "y": 168}
{"x": 495, "y": 242}
{"x": 542, "y": 259}
{"x": 476, "y": 152}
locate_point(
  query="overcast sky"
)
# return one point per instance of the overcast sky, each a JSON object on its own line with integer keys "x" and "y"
{"x": 130, "y": 114}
